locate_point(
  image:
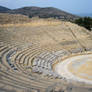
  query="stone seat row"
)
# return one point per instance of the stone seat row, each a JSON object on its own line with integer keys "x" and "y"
{"x": 6, "y": 56}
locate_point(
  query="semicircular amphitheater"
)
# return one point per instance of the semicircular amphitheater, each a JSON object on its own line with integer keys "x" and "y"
{"x": 45, "y": 56}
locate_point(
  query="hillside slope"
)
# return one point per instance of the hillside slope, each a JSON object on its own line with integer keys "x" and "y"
{"x": 6, "y": 18}
{"x": 3, "y": 9}
{"x": 48, "y": 12}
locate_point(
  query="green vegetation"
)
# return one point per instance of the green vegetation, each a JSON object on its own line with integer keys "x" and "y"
{"x": 85, "y": 22}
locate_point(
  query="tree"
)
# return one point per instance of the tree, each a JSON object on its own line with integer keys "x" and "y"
{"x": 85, "y": 22}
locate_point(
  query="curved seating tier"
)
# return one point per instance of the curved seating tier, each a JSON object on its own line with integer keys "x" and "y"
{"x": 14, "y": 63}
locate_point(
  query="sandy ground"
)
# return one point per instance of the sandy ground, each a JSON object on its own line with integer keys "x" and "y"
{"x": 64, "y": 68}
